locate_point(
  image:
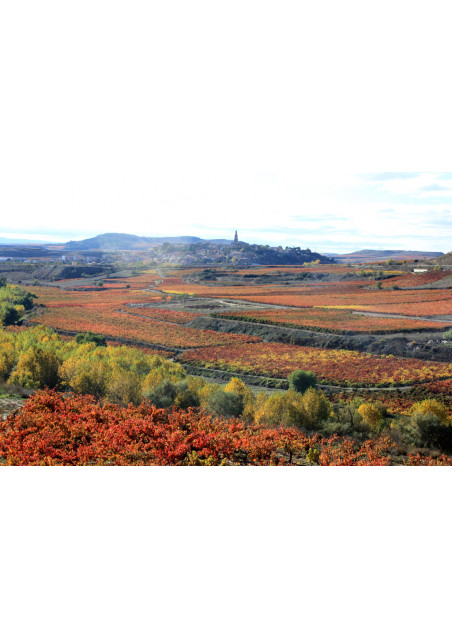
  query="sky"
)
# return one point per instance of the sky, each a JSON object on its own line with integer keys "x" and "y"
{"x": 325, "y": 212}
{"x": 279, "y": 119}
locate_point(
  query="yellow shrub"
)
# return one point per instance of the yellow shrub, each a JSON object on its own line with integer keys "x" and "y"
{"x": 249, "y": 401}
{"x": 281, "y": 409}
{"x": 431, "y": 406}
{"x": 316, "y": 407}
{"x": 371, "y": 414}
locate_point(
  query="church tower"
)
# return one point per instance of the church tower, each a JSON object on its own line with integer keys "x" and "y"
{"x": 236, "y": 238}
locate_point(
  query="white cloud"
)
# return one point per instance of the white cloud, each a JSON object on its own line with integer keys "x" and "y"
{"x": 312, "y": 210}
{"x": 198, "y": 118}
{"x": 422, "y": 185}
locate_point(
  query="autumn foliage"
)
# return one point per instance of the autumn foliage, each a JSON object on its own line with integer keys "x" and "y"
{"x": 56, "y": 429}
{"x": 333, "y": 320}
{"x": 337, "y": 367}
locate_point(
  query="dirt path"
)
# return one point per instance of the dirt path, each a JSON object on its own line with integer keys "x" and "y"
{"x": 434, "y": 318}
{"x": 198, "y": 372}
{"x": 9, "y": 405}
{"x": 254, "y": 305}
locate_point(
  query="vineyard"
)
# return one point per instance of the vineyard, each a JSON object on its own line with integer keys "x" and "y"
{"x": 54, "y": 429}
{"x": 167, "y": 316}
{"x": 118, "y": 324}
{"x": 101, "y": 298}
{"x": 138, "y": 338}
{"x": 333, "y": 320}
{"x": 337, "y": 367}
{"x": 356, "y": 295}
{"x": 136, "y": 310}
{"x": 411, "y": 280}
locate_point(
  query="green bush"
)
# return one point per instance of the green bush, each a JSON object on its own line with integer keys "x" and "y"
{"x": 90, "y": 337}
{"x": 428, "y": 431}
{"x": 227, "y": 404}
{"x": 16, "y": 296}
{"x": 164, "y": 395}
{"x": 168, "y": 393}
{"x": 185, "y": 396}
{"x": 8, "y": 314}
{"x": 300, "y": 380}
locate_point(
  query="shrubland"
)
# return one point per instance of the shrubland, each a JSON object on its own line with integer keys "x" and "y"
{"x": 60, "y": 429}
{"x": 123, "y": 378}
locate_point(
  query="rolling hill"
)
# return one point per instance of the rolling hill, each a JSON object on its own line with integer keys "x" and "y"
{"x": 368, "y": 256}
{"x": 124, "y": 241}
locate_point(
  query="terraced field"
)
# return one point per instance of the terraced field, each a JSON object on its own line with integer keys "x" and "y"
{"x": 337, "y": 367}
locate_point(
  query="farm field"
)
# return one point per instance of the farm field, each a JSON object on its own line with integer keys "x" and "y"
{"x": 333, "y": 320}
{"x": 168, "y": 316}
{"x": 337, "y": 367}
{"x": 339, "y": 295}
{"x": 411, "y": 280}
{"x": 226, "y": 340}
{"x": 335, "y": 297}
{"x": 119, "y": 324}
{"x": 102, "y": 298}
{"x": 137, "y": 309}
{"x": 438, "y": 308}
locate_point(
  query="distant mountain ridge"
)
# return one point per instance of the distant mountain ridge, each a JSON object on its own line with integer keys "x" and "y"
{"x": 125, "y": 241}
{"x": 363, "y": 256}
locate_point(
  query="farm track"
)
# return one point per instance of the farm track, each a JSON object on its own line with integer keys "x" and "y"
{"x": 259, "y": 306}
{"x": 435, "y": 318}
{"x": 225, "y": 374}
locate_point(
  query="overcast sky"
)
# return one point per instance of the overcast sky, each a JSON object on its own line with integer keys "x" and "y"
{"x": 199, "y": 118}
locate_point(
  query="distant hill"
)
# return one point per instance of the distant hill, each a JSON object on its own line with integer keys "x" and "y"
{"x": 27, "y": 251}
{"x": 204, "y": 250}
{"x": 368, "y": 256}
{"x": 124, "y": 241}
{"x": 444, "y": 260}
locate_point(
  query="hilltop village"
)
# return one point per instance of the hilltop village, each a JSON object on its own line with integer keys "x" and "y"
{"x": 111, "y": 248}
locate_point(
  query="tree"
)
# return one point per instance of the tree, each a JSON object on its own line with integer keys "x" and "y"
{"x": 371, "y": 415}
{"x": 431, "y": 407}
{"x": 7, "y": 359}
{"x": 9, "y": 314}
{"x": 85, "y": 376}
{"x": 429, "y": 431}
{"x": 316, "y": 406}
{"x": 228, "y": 404}
{"x": 90, "y": 337}
{"x": 168, "y": 393}
{"x": 37, "y": 368}
{"x": 300, "y": 380}
{"x": 282, "y": 408}
{"x": 249, "y": 401}
{"x": 123, "y": 387}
